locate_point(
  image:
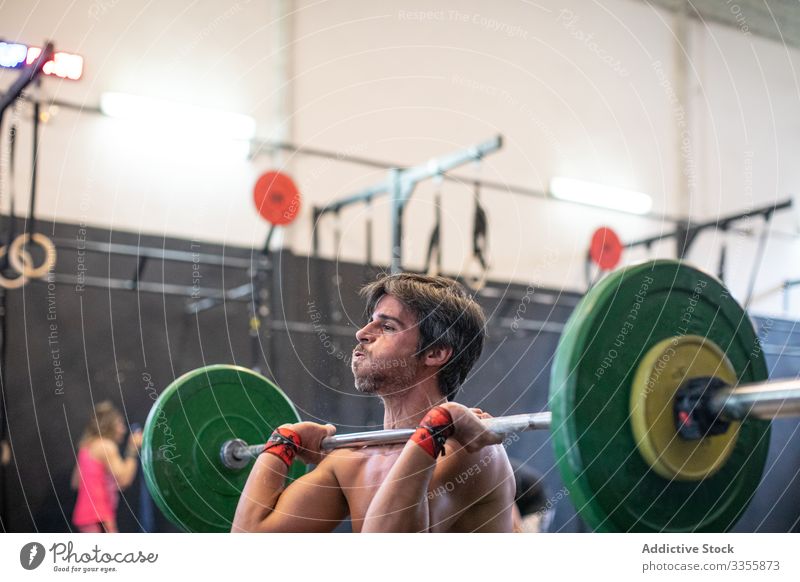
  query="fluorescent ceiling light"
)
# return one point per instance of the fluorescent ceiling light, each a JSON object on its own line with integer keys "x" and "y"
{"x": 174, "y": 117}
{"x": 600, "y": 195}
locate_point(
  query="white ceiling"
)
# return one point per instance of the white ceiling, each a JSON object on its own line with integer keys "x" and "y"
{"x": 778, "y": 20}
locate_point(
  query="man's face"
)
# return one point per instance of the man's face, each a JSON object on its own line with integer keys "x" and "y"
{"x": 384, "y": 361}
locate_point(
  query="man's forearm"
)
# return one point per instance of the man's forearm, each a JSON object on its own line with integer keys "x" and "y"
{"x": 401, "y": 503}
{"x": 260, "y": 494}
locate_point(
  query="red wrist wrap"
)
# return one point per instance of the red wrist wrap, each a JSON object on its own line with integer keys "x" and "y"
{"x": 283, "y": 443}
{"x": 433, "y": 430}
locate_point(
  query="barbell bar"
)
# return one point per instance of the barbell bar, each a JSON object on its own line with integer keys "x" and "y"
{"x": 763, "y": 400}
{"x": 236, "y": 454}
{"x": 650, "y": 354}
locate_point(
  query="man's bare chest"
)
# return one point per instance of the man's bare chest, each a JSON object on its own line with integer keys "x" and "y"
{"x": 360, "y": 476}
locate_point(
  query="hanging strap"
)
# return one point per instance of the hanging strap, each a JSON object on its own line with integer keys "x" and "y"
{"x": 31, "y": 222}
{"x": 12, "y": 149}
{"x": 479, "y": 230}
{"x": 723, "y": 252}
{"x": 480, "y": 227}
{"x": 368, "y": 233}
{"x": 434, "y": 265}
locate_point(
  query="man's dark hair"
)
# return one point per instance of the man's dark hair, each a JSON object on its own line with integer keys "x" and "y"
{"x": 447, "y": 317}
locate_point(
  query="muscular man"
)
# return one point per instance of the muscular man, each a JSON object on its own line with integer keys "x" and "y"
{"x": 422, "y": 338}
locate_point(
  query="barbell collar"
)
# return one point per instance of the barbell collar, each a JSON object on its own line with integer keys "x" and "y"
{"x": 763, "y": 400}
{"x": 235, "y": 454}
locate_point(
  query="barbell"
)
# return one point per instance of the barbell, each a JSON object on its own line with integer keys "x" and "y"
{"x": 659, "y": 413}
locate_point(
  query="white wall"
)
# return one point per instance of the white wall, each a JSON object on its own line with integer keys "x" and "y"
{"x": 408, "y": 87}
{"x": 104, "y": 171}
{"x": 747, "y": 96}
{"x": 577, "y": 89}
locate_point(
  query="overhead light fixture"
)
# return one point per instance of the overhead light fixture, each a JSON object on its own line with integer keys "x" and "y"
{"x": 600, "y": 195}
{"x": 188, "y": 120}
{"x": 64, "y": 65}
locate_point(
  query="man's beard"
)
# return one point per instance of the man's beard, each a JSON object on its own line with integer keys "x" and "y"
{"x": 383, "y": 376}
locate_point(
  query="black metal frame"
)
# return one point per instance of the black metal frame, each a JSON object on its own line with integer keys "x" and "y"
{"x": 27, "y": 76}
{"x": 209, "y": 298}
{"x": 686, "y": 231}
{"x": 400, "y": 184}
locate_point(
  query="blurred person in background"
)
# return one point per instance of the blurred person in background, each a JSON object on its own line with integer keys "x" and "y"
{"x": 101, "y": 472}
{"x": 533, "y": 512}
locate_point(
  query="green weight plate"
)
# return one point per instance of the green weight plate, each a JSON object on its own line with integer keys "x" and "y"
{"x": 611, "y": 330}
{"x": 183, "y": 434}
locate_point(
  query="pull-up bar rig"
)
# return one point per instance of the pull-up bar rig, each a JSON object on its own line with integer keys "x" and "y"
{"x": 400, "y": 184}
{"x": 27, "y": 76}
{"x": 686, "y": 232}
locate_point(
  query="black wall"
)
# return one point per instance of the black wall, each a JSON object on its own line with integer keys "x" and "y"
{"x": 776, "y": 505}
{"x": 108, "y": 343}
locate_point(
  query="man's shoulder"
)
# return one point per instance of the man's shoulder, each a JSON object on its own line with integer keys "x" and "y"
{"x": 471, "y": 490}
{"x": 485, "y": 469}
{"x": 493, "y": 456}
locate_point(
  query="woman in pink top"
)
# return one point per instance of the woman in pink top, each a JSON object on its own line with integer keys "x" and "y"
{"x": 101, "y": 472}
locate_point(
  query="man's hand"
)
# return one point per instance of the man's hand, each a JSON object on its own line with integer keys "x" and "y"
{"x": 311, "y": 435}
{"x": 469, "y": 430}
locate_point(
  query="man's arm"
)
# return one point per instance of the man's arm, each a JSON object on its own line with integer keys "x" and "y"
{"x": 312, "y": 503}
{"x": 401, "y": 503}
{"x": 477, "y": 497}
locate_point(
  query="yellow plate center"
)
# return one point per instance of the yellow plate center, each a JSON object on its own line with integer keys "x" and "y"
{"x": 661, "y": 372}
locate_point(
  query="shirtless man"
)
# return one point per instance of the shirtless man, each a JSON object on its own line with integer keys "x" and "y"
{"x": 423, "y": 336}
